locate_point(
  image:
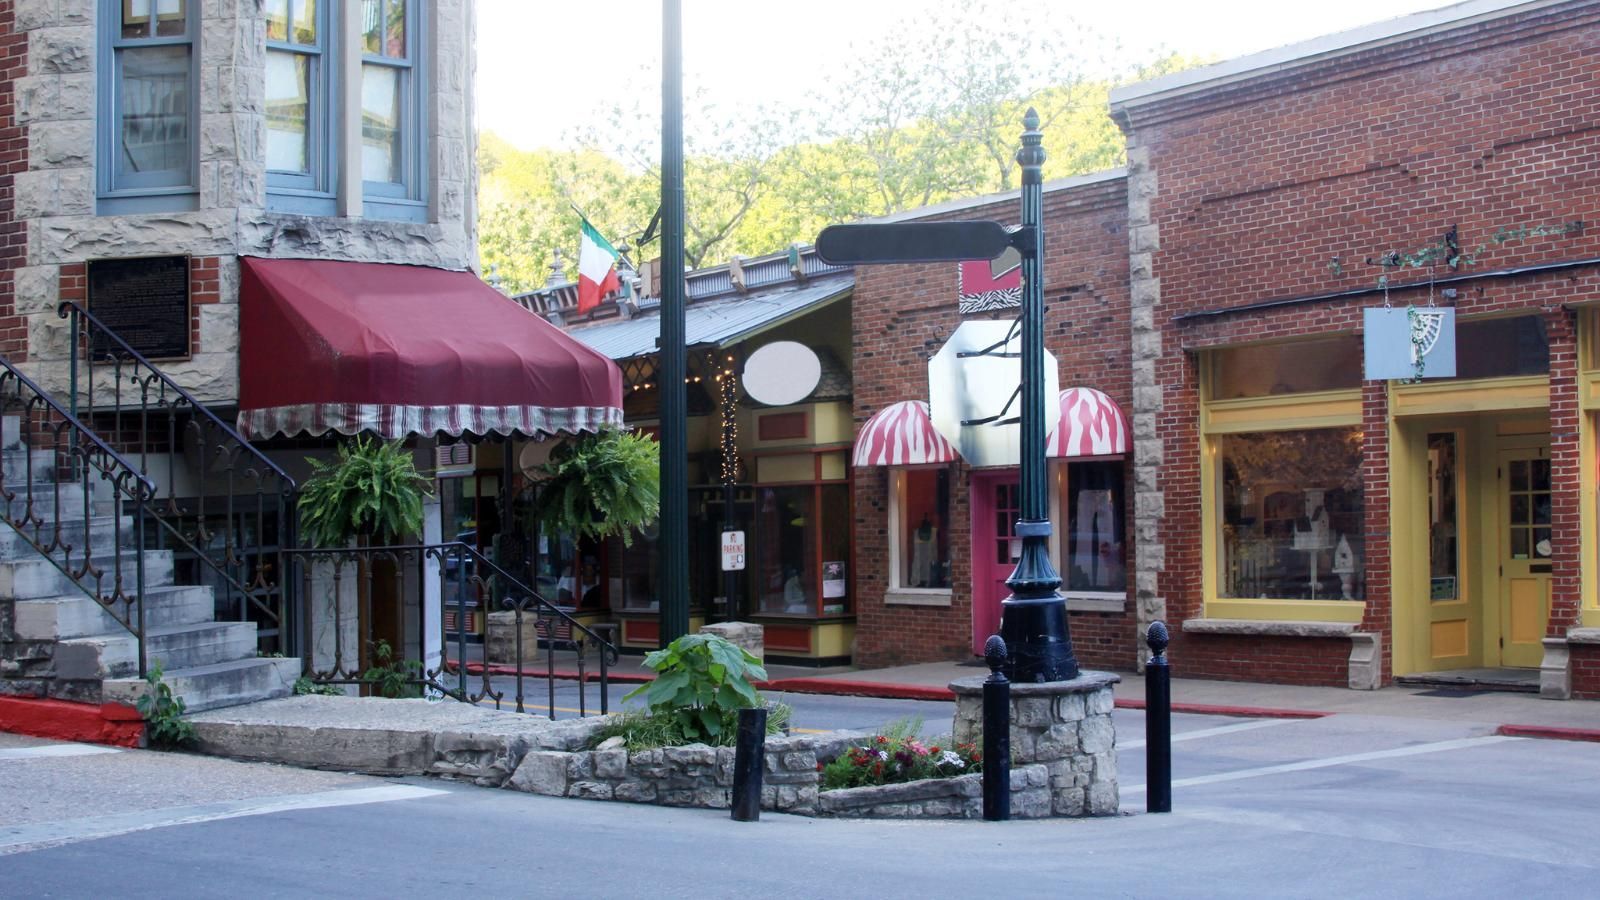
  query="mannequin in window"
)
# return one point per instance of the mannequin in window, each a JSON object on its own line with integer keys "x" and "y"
{"x": 924, "y": 553}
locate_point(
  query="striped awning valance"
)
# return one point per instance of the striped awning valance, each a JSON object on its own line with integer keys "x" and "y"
{"x": 902, "y": 434}
{"x": 1091, "y": 424}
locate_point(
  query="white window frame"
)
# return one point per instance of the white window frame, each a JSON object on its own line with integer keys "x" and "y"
{"x": 899, "y": 593}
{"x": 166, "y": 191}
{"x": 407, "y": 199}
{"x": 315, "y": 193}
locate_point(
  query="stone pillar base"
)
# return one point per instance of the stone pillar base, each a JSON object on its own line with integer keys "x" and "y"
{"x": 748, "y": 636}
{"x": 1064, "y": 725}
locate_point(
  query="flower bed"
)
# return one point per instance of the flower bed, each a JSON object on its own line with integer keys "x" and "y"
{"x": 898, "y": 756}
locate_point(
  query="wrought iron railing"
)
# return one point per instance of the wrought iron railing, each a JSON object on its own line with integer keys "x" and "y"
{"x": 52, "y": 463}
{"x": 346, "y": 593}
{"x": 228, "y": 514}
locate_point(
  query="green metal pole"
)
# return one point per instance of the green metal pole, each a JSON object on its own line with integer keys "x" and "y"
{"x": 1033, "y": 620}
{"x": 674, "y": 543}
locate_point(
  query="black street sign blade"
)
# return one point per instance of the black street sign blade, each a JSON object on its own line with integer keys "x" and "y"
{"x": 911, "y": 242}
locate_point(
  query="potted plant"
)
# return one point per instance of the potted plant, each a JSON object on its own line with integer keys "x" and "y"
{"x": 370, "y": 495}
{"x": 600, "y": 485}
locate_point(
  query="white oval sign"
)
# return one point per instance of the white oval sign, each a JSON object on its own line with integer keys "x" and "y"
{"x": 781, "y": 373}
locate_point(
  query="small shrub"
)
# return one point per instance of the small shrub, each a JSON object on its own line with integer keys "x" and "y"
{"x": 643, "y": 731}
{"x": 304, "y": 685}
{"x": 165, "y": 726}
{"x": 392, "y": 678}
{"x": 701, "y": 683}
{"x": 898, "y": 755}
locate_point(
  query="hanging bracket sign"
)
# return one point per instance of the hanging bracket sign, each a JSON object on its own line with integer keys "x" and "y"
{"x": 733, "y": 551}
{"x": 1409, "y": 344}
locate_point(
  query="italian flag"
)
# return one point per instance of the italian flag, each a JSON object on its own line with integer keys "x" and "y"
{"x": 597, "y": 269}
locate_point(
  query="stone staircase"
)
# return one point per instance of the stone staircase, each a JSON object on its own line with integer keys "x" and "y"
{"x": 56, "y": 641}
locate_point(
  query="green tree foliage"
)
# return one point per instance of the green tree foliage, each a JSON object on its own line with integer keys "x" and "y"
{"x": 927, "y": 114}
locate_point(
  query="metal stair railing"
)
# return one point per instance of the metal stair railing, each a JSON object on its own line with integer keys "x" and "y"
{"x": 338, "y": 619}
{"x": 238, "y": 517}
{"x": 75, "y": 456}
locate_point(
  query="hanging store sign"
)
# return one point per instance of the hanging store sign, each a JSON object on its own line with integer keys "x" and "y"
{"x": 1409, "y": 344}
{"x": 733, "y": 551}
{"x": 145, "y": 301}
{"x": 974, "y": 395}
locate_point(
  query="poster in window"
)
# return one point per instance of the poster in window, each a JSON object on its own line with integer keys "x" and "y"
{"x": 833, "y": 584}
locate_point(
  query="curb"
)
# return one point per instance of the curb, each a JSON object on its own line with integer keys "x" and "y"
{"x": 86, "y": 723}
{"x": 844, "y": 688}
{"x": 1550, "y": 732}
{"x": 1241, "y": 712}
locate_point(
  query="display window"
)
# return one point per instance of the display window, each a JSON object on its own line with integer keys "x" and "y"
{"x": 802, "y": 550}
{"x": 1093, "y": 544}
{"x": 922, "y": 529}
{"x": 1292, "y": 524}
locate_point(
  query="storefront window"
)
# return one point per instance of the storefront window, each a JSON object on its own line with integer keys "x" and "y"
{"x": 924, "y": 528}
{"x": 1292, "y": 520}
{"x": 1093, "y": 549}
{"x": 1443, "y": 569}
{"x": 1264, "y": 370}
{"x": 802, "y": 563}
{"x": 640, "y": 571}
{"x": 1501, "y": 348}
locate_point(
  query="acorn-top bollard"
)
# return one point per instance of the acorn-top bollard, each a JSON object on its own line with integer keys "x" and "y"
{"x": 996, "y": 733}
{"x": 1157, "y": 722}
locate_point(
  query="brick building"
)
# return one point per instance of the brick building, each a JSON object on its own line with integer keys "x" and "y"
{"x": 1293, "y": 520}
{"x": 1300, "y": 522}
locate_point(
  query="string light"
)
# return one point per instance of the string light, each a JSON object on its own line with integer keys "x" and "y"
{"x": 728, "y": 394}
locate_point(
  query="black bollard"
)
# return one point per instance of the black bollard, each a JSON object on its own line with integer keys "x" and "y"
{"x": 749, "y": 761}
{"x": 1157, "y": 722}
{"x": 996, "y": 733}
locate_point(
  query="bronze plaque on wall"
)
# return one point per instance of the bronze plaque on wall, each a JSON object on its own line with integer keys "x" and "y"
{"x": 145, "y": 301}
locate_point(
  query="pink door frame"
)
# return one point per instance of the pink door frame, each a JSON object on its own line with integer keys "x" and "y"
{"x": 988, "y": 573}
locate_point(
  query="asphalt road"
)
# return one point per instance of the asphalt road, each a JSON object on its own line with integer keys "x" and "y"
{"x": 1347, "y": 805}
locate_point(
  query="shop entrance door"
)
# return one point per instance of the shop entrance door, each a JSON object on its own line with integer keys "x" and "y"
{"x": 1523, "y": 482}
{"x": 996, "y": 506}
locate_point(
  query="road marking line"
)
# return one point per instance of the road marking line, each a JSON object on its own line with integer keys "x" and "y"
{"x": 1211, "y": 732}
{"x": 1325, "y": 762}
{"x": 55, "y": 751}
{"x": 21, "y": 838}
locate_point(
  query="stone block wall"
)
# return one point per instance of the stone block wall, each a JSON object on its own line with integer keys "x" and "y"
{"x": 941, "y": 798}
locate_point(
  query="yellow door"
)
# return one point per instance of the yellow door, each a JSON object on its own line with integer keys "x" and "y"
{"x": 1524, "y": 487}
{"x": 1454, "y": 607}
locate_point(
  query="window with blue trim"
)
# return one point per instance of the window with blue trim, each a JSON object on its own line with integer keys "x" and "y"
{"x": 301, "y": 69}
{"x": 147, "y": 144}
{"x": 391, "y": 110}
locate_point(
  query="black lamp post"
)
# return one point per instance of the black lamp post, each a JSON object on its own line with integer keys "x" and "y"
{"x": 674, "y": 543}
{"x": 1033, "y": 620}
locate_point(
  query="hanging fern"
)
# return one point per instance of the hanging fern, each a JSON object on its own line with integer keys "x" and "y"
{"x": 601, "y": 485}
{"x": 372, "y": 489}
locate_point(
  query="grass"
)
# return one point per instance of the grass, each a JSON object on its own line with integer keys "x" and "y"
{"x": 641, "y": 731}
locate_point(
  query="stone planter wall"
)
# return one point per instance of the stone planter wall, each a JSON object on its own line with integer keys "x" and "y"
{"x": 940, "y": 798}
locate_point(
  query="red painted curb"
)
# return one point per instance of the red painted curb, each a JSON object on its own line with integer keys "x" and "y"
{"x": 844, "y": 688}
{"x": 1243, "y": 712}
{"x": 92, "y": 723}
{"x": 1550, "y": 733}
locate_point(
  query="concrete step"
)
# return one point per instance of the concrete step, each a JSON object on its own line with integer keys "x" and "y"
{"x": 174, "y": 647}
{"x": 216, "y": 686}
{"x": 28, "y": 579}
{"x": 45, "y": 498}
{"x": 17, "y": 463}
{"x": 75, "y": 615}
{"x": 10, "y": 432}
{"x": 103, "y": 532}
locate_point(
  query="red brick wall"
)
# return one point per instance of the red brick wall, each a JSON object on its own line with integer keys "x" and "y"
{"x": 902, "y": 315}
{"x": 1585, "y": 671}
{"x": 1286, "y": 660}
{"x": 1263, "y": 184}
{"x": 13, "y": 159}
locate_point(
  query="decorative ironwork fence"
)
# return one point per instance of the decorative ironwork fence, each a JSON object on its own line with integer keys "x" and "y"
{"x": 354, "y": 599}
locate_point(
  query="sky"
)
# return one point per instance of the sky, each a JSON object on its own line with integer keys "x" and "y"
{"x": 549, "y": 67}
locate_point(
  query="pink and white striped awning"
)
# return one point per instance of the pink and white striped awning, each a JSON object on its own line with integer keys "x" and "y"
{"x": 1091, "y": 425}
{"x": 902, "y": 434}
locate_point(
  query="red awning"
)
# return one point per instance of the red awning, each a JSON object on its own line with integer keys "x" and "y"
{"x": 901, "y": 434}
{"x": 1091, "y": 424}
{"x": 399, "y": 349}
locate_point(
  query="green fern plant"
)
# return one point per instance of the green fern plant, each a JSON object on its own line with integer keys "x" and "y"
{"x": 372, "y": 489}
{"x": 606, "y": 484}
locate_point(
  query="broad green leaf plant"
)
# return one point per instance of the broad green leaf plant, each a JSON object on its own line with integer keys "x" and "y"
{"x": 701, "y": 683}
{"x": 601, "y": 485}
{"x": 373, "y": 489}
